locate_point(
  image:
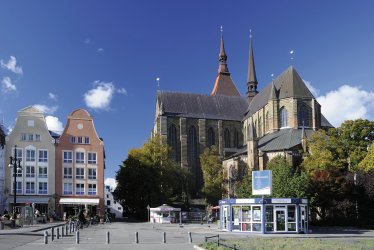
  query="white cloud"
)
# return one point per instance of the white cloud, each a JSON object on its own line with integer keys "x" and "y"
{"x": 54, "y": 124}
{"x": 87, "y": 41}
{"x": 12, "y": 65}
{"x": 46, "y": 109}
{"x": 7, "y": 85}
{"x": 52, "y": 96}
{"x": 100, "y": 96}
{"x": 110, "y": 182}
{"x": 100, "y": 50}
{"x": 312, "y": 89}
{"x": 347, "y": 103}
{"x": 122, "y": 91}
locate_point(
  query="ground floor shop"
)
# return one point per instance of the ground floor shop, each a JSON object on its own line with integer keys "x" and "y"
{"x": 69, "y": 207}
{"x": 270, "y": 215}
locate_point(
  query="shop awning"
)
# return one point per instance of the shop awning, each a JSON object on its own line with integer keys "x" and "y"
{"x": 79, "y": 201}
{"x": 29, "y": 199}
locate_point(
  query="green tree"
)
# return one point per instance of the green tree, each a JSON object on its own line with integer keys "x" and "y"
{"x": 148, "y": 177}
{"x": 244, "y": 186}
{"x": 211, "y": 164}
{"x": 367, "y": 163}
{"x": 288, "y": 181}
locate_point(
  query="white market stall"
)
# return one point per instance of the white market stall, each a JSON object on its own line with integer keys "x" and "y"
{"x": 164, "y": 214}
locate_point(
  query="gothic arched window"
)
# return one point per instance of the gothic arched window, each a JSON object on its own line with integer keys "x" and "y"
{"x": 192, "y": 147}
{"x": 303, "y": 117}
{"x": 283, "y": 117}
{"x": 236, "y": 138}
{"x": 211, "y": 138}
{"x": 173, "y": 142}
{"x": 260, "y": 127}
{"x": 267, "y": 122}
{"x": 227, "y": 138}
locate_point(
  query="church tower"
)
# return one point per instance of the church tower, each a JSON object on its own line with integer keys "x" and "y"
{"x": 224, "y": 84}
{"x": 252, "y": 79}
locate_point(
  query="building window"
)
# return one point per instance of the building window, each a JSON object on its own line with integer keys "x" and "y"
{"x": 86, "y": 140}
{"x": 173, "y": 142}
{"x": 80, "y": 139}
{"x": 30, "y": 187}
{"x": 43, "y": 188}
{"x": 236, "y": 138}
{"x": 91, "y": 189}
{"x": 283, "y": 117}
{"x": 37, "y": 137}
{"x": 193, "y": 156}
{"x": 19, "y": 172}
{"x": 68, "y": 157}
{"x": 79, "y": 188}
{"x": 303, "y": 117}
{"x": 30, "y": 171}
{"x": 19, "y": 154}
{"x": 79, "y": 173}
{"x": 43, "y": 172}
{"x": 92, "y": 173}
{"x": 91, "y": 158}
{"x": 68, "y": 188}
{"x": 30, "y": 155}
{"x": 43, "y": 155}
{"x": 18, "y": 187}
{"x": 79, "y": 157}
{"x": 108, "y": 203}
{"x": 31, "y": 137}
{"x": 267, "y": 122}
{"x": 227, "y": 138}
{"x": 211, "y": 137}
{"x": 68, "y": 173}
{"x": 23, "y": 137}
{"x": 260, "y": 127}
{"x": 72, "y": 139}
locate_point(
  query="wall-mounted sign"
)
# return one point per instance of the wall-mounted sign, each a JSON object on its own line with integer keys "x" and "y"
{"x": 262, "y": 182}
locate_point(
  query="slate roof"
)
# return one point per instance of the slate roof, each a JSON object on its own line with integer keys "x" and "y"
{"x": 325, "y": 123}
{"x": 224, "y": 85}
{"x": 283, "y": 139}
{"x": 218, "y": 107}
{"x": 288, "y": 84}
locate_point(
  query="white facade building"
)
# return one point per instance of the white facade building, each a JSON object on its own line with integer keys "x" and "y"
{"x": 111, "y": 205}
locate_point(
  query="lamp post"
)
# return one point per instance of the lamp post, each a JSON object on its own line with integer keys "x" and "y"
{"x": 16, "y": 164}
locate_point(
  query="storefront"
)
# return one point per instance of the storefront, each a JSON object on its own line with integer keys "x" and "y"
{"x": 72, "y": 206}
{"x": 269, "y": 215}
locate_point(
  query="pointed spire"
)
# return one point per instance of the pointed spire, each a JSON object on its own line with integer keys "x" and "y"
{"x": 222, "y": 68}
{"x": 252, "y": 79}
{"x": 273, "y": 92}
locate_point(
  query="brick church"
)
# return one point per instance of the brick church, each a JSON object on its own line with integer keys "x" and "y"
{"x": 248, "y": 131}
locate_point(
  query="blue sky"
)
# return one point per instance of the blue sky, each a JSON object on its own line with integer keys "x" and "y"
{"x": 105, "y": 56}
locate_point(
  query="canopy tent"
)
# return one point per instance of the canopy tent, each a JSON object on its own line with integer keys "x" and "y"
{"x": 164, "y": 214}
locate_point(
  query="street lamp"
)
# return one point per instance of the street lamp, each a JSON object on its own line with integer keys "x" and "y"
{"x": 16, "y": 164}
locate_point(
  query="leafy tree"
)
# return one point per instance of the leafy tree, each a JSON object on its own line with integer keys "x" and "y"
{"x": 211, "y": 164}
{"x": 244, "y": 186}
{"x": 147, "y": 177}
{"x": 2, "y": 137}
{"x": 367, "y": 163}
{"x": 288, "y": 181}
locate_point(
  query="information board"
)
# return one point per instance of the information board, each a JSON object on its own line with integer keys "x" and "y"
{"x": 262, "y": 182}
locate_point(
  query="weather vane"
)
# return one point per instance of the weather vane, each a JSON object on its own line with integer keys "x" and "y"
{"x": 291, "y": 53}
{"x": 158, "y": 82}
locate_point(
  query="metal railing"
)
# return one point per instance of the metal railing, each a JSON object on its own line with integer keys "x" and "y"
{"x": 220, "y": 242}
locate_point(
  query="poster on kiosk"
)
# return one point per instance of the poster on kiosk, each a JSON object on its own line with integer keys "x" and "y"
{"x": 262, "y": 182}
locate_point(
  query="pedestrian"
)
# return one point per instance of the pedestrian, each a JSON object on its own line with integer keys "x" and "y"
{"x": 107, "y": 217}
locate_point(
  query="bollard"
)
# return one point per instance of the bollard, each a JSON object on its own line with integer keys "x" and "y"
{"x": 107, "y": 237}
{"x": 77, "y": 237}
{"x": 62, "y": 231}
{"x": 70, "y": 227}
{"x": 164, "y": 237}
{"x": 66, "y": 229}
{"x": 189, "y": 237}
{"x": 58, "y": 233}
{"x": 53, "y": 234}
{"x": 45, "y": 237}
{"x": 136, "y": 238}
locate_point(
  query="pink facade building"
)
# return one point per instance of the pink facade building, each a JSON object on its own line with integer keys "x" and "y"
{"x": 80, "y": 166}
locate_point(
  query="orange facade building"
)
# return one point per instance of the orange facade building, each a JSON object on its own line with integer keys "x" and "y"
{"x": 80, "y": 158}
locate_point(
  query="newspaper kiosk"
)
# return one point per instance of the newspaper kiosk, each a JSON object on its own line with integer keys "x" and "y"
{"x": 268, "y": 215}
